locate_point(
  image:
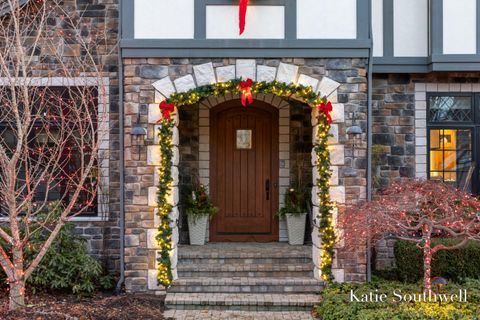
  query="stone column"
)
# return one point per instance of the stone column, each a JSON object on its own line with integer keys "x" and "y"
{"x": 154, "y": 160}
{"x": 337, "y": 191}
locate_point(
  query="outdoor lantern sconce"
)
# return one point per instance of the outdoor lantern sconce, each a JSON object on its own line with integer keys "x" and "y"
{"x": 353, "y": 131}
{"x": 139, "y": 132}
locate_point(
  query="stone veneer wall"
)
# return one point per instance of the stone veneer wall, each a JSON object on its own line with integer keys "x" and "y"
{"x": 103, "y": 234}
{"x": 393, "y": 126}
{"x": 301, "y": 144}
{"x": 189, "y": 162}
{"x": 383, "y": 254}
{"x": 142, "y": 76}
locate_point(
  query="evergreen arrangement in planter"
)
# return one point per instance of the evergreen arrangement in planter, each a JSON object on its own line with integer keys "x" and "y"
{"x": 295, "y": 212}
{"x": 199, "y": 211}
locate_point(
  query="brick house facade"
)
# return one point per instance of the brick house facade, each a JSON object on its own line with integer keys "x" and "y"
{"x": 406, "y": 87}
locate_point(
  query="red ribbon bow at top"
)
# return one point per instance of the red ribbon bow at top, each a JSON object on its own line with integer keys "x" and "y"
{"x": 326, "y": 108}
{"x": 246, "y": 88}
{"x": 242, "y": 15}
{"x": 166, "y": 109}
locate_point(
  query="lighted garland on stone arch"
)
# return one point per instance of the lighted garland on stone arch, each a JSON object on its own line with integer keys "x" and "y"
{"x": 164, "y": 235}
{"x": 246, "y": 89}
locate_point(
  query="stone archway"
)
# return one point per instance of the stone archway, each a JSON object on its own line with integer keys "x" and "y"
{"x": 205, "y": 74}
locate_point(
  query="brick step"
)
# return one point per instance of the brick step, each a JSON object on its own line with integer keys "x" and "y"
{"x": 246, "y": 270}
{"x": 227, "y": 314}
{"x": 241, "y": 301}
{"x": 244, "y": 252}
{"x": 247, "y": 285}
{"x": 244, "y": 261}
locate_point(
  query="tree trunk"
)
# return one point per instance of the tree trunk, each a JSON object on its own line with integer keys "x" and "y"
{"x": 17, "y": 285}
{"x": 17, "y": 295}
{"x": 427, "y": 262}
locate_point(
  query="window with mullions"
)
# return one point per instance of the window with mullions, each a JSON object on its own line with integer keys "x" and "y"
{"x": 450, "y": 155}
{"x": 451, "y": 129}
{"x": 450, "y": 109}
{"x": 52, "y": 137}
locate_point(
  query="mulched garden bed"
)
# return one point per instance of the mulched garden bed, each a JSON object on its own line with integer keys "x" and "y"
{"x": 100, "y": 307}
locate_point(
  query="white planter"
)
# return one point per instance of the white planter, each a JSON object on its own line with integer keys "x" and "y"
{"x": 197, "y": 229}
{"x": 296, "y": 228}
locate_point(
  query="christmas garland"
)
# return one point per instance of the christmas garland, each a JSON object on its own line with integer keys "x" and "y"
{"x": 326, "y": 207}
{"x": 246, "y": 89}
{"x": 164, "y": 235}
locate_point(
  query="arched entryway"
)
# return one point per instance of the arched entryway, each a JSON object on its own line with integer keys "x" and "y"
{"x": 244, "y": 176}
{"x": 207, "y": 90}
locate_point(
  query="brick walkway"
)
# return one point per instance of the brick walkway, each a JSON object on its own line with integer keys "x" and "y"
{"x": 243, "y": 315}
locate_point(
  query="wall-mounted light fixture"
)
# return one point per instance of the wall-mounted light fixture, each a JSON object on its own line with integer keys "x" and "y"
{"x": 354, "y": 131}
{"x": 139, "y": 133}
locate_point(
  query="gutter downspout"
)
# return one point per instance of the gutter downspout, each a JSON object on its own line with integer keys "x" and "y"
{"x": 369, "y": 134}
{"x": 120, "y": 282}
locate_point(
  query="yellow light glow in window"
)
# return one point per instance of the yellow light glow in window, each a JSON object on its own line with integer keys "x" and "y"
{"x": 443, "y": 155}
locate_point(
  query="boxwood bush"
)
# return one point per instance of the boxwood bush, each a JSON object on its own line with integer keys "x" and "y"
{"x": 336, "y": 303}
{"x": 453, "y": 265}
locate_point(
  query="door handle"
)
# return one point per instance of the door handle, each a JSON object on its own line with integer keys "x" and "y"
{"x": 267, "y": 188}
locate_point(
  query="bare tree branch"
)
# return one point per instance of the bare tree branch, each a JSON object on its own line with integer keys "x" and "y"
{"x": 50, "y": 132}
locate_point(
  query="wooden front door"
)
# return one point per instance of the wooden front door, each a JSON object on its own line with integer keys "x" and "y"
{"x": 244, "y": 172}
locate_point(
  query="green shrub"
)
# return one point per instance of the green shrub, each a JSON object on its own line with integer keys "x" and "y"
{"x": 453, "y": 264}
{"x": 409, "y": 261}
{"x": 337, "y": 305}
{"x": 66, "y": 266}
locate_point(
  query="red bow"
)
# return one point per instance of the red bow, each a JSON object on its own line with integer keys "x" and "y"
{"x": 166, "y": 109}
{"x": 242, "y": 14}
{"x": 246, "y": 88}
{"x": 326, "y": 108}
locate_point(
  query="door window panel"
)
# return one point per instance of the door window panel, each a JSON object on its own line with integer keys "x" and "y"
{"x": 450, "y": 155}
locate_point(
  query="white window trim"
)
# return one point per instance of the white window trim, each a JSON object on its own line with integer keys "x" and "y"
{"x": 103, "y": 86}
{"x": 421, "y": 90}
